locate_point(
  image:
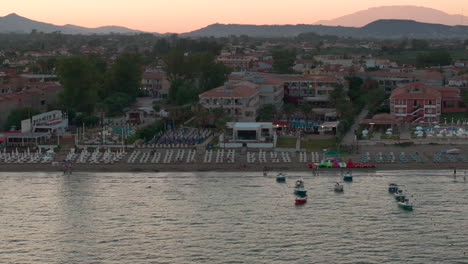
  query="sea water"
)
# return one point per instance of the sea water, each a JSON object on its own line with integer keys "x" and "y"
{"x": 235, "y": 217}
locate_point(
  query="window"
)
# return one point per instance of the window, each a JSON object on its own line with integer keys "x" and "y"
{"x": 449, "y": 104}
{"x": 415, "y": 102}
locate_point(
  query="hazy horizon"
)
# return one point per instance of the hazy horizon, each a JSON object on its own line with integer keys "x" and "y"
{"x": 180, "y": 16}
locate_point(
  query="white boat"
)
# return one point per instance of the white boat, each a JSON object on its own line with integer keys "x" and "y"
{"x": 348, "y": 176}
{"x": 406, "y": 204}
{"x": 299, "y": 184}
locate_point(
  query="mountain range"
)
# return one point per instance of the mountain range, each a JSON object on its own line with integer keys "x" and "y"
{"x": 14, "y": 23}
{"x": 380, "y": 22}
{"x": 382, "y": 29}
{"x": 417, "y": 13}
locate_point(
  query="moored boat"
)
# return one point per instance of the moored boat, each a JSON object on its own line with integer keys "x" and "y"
{"x": 348, "y": 177}
{"x": 300, "y": 192}
{"x": 405, "y": 204}
{"x": 301, "y": 200}
{"x": 400, "y": 196}
{"x": 299, "y": 184}
{"x": 280, "y": 177}
{"x": 392, "y": 188}
{"x": 338, "y": 187}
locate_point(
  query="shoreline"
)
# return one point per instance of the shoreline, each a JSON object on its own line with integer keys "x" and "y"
{"x": 236, "y": 167}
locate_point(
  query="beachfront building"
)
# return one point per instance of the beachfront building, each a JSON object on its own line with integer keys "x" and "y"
{"x": 417, "y": 102}
{"x": 249, "y": 134}
{"x": 237, "y": 62}
{"x": 239, "y": 100}
{"x": 39, "y": 129}
{"x": 155, "y": 84}
{"x": 390, "y": 80}
{"x": 270, "y": 89}
{"x": 313, "y": 89}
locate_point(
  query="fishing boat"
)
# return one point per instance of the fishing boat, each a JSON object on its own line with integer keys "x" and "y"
{"x": 392, "y": 188}
{"x": 348, "y": 177}
{"x": 300, "y": 192}
{"x": 299, "y": 184}
{"x": 280, "y": 177}
{"x": 338, "y": 187}
{"x": 301, "y": 200}
{"x": 400, "y": 196}
{"x": 406, "y": 204}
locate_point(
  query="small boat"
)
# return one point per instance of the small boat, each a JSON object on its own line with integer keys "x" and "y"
{"x": 301, "y": 200}
{"x": 348, "y": 177}
{"x": 392, "y": 188}
{"x": 406, "y": 204}
{"x": 338, "y": 187}
{"x": 280, "y": 177}
{"x": 300, "y": 192}
{"x": 299, "y": 184}
{"x": 400, "y": 196}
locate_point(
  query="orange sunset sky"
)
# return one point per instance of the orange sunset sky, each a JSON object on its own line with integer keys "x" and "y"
{"x": 185, "y": 15}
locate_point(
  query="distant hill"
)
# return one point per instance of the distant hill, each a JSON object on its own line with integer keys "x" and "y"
{"x": 14, "y": 23}
{"x": 377, "y": 29}
{"x": 420, "y": 14}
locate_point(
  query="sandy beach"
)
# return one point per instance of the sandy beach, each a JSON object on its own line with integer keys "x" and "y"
{"x": 426, "y": 151}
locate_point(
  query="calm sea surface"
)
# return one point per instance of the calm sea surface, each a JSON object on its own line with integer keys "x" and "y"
{"x": 230, "y": 218}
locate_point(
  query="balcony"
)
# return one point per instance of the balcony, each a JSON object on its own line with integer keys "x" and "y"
{"x": 430, "y": 106}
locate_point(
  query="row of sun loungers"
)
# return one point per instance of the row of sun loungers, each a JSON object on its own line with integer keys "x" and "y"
{"x": 443, "y": 157}
{"x": 22, "y": 158}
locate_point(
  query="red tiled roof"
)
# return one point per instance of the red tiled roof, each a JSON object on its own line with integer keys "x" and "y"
{"x": 424, "y": 91}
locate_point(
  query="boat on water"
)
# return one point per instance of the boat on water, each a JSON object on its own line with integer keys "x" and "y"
{"x": 338, "y": 187}
{"x": 299, "y": 184}
{"x": 280, "y": 177}
{"x": 348, "y": 177}
{"x": 301, "y": 200}
{"x": 300, "y": 192}
{"x": 392, "y": 188}
{"x": 405, "y": 204}
{"x": 400, "y": 196}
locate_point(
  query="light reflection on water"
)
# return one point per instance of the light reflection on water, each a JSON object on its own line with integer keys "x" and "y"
{"x": 230, "y": 218}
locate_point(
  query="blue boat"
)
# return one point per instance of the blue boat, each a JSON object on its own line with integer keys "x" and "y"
{"x": 301, "y": 192}
{"x": 400, "y": 196}
{"x": 348, "y": 177}
{"x": 392, "y": 188}
{"x": 280, "y": 177}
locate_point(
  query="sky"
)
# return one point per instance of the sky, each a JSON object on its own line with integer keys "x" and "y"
{"x": 180, "y": 16}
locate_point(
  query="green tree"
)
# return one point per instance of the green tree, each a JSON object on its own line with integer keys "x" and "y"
{"x": 80, "y": 80}
{"x": 267, "y": 112}
{"x": 433, "y": 58}
{"x": 18, "y": 115}
{"x": 115, "y": 103}
{"x": 125, "y": 75}
{"x": 182, "y": 92}
{"x": 419, "y": 44}
{"x": 283, "y": 60}
{"x": 288, "y": 109}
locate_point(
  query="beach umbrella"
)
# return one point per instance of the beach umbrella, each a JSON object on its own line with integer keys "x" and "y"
{"x": 388, "y": 133}
{"x": 436, "y": 126}
{"x": 419, "y": 128}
